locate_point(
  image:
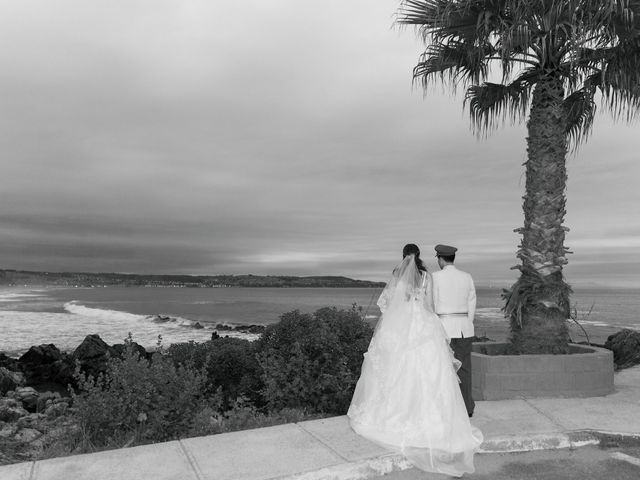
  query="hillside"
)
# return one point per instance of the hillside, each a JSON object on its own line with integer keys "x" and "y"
{"x": 84, "y": 279}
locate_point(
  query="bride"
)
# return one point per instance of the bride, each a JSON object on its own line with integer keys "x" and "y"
{"x": 407, "y": 398}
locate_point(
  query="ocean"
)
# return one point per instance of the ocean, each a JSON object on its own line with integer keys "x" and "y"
{"x": 64, "y": 316}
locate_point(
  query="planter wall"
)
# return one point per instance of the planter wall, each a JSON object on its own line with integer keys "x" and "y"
{"x": 586, "y": 372}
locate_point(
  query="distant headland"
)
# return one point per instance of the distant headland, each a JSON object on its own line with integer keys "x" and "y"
{"x": 83, "y": 279}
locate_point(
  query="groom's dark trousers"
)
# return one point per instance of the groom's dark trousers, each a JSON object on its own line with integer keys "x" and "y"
{"x": 462, "y": 351}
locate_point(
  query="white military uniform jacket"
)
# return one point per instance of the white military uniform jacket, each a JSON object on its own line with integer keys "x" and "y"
{"x": 454, "y": 300}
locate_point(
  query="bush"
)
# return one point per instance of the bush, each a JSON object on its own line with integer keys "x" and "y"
{"x": 313, "y": 361}
{"x": 303, "y": 367}
{"x": 243, "y": 416}
{"x": 625, "y": 345}
{"x": 138, "y": 400}
{"x": 230, "y": 365}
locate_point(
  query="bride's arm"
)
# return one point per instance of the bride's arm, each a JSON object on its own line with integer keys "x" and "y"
{"x": 383, "y": 300}
{"x": 428, "y": 298}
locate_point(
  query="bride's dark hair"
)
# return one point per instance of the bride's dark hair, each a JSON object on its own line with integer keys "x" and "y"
{"x": 412, "y": 249}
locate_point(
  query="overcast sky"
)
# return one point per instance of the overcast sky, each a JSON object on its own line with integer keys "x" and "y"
{"x": 268, "y": 137}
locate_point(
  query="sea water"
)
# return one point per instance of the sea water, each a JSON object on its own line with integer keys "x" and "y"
{"x": 64, "y": 316}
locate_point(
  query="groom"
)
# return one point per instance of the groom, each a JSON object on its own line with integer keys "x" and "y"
{"x": 454, "y": 300}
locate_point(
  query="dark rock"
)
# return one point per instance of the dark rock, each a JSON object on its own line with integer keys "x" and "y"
{"x": 46, "y": 399}
{"x": 11, "y": 413}
{"x": 7, "y": 430}
{"x": 33, "y": 420}
{"x": 242, "y": 328}
{"x": 626, "y": 348}
{"x": 10, "y": 401}
{"x": 214, "y": 336}
{"x": 10, "y": 380}
{"x": 197, "y": 326}
{"x": 29, "y": 398}
{"x": 45, "y": 363}
{"x": 93, "y": 354}
{"x": 56, "y": 410}
{"x": 45, "y": 353}
{"x": 27, "y": 435}
{"x": 9, "y": 363}
{"x": 120, "y": 347}
{"x": 251, "y": 328}
{"x": 62, "y": 371}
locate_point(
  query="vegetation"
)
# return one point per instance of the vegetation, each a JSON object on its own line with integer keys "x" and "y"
{"x": 555, "y": 57}
{"x": 304, "y": 367}
{"x": 313, "y": 361}
{"x": 230, "y": 367}
{"x": 140, "y": 399}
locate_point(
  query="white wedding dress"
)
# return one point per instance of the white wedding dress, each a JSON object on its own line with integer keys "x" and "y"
{"x": 408, "y": 397}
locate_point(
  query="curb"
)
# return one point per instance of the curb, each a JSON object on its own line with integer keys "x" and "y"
{"x": 543, "y": 441}
{"x": 355, "y": 470}
{"x": 508, "y": 444}
{"x": 552, "y": 441}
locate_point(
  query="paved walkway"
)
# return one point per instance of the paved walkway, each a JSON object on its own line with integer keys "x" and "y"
{"x": 328, "y": 448}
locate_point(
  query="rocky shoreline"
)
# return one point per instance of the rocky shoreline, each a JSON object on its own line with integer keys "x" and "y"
{"x": 255, "y": 329}
{"x": 220, "y": 327}
{"x": 36, "y": 408}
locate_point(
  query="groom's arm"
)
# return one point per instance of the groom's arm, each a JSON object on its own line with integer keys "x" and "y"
{"x": 471, "y": 300}
{"x": 434, "y": 298}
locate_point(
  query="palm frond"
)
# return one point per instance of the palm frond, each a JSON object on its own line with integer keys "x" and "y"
{"x": 580, "y": 110}
{"x": 455, "y": 61}
{"x": 626, "y": 19}
{"x": 572, "y": 39}
{"x": 443, "y": 20}
{"x": 620, "y": 80}
{"x": 417, "y": 12}
{"x": 492, "y": 103}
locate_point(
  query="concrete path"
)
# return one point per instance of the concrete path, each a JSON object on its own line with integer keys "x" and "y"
{"x": 329, "y": 449}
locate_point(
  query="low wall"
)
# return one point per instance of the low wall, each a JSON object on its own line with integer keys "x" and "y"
{"x": 586, "y": 372}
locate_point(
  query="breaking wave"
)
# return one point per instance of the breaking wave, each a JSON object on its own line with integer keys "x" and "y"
{"x": 67, "y": 330}
{"x": 102, "y": 314}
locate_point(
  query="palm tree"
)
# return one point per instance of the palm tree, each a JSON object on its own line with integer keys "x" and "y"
{"x": 554, "y": 57}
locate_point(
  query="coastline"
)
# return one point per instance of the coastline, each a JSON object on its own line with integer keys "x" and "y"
{"x": 55, "y": 314}
{"x": 114, "y": 279}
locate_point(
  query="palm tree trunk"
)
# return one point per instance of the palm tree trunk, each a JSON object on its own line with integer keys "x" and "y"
{"x": 538, "y": 303}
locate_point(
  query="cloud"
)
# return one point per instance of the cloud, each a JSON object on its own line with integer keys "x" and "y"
{"x": 262, "y": 137}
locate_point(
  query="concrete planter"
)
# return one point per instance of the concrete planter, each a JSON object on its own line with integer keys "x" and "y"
{"x": 586, "y": 372}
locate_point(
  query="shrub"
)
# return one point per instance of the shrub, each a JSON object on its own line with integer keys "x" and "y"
{"x": 230, "y": 365}
{"x": 138, "y": 400}
{"x": 243, "y": 416}
{"x": 313, "y": 361}
{"x": 353, "y": 334}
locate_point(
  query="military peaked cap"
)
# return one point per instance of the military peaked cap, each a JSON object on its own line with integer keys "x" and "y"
{"x": 445, "y": 250}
